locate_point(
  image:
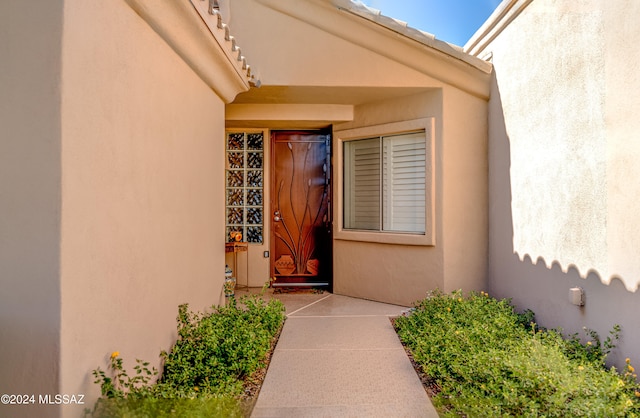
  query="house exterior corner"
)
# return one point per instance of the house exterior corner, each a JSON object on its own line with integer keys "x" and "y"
{"x": 112, "y": 210}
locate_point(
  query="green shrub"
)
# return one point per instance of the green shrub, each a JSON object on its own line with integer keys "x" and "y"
{"x": 215, "y": 352}
{"x": 155, "y": 407}
{"x": 204, "y": 372}
{"x": 489, "y": 360}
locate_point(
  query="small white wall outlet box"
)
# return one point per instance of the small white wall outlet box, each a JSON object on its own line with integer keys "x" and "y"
{"x": 576, "y": 296}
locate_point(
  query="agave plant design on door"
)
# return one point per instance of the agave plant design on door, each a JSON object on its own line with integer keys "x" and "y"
{"x": 300, "y": 207}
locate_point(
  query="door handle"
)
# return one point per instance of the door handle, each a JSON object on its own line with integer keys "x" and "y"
{"x": 276, "y": 216}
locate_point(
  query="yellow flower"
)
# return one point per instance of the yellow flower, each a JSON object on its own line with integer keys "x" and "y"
{"x": 115, "y": 354}
{"x": 448, "y": 309}
{"x": 631, "y": 369}
{"x": 195, "y": 388}
{"x": 459, "y": 299}
{"x": 637, "y": 394}
{"x": 580, "y": 368}
{"x": 627, "y": 360}
{"x": 588, "y": 342}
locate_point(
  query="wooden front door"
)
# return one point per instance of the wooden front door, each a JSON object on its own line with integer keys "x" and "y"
{"x": 300, "y": 208}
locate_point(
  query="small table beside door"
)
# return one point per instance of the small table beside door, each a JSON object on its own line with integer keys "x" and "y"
{"x": 235, "y": 248}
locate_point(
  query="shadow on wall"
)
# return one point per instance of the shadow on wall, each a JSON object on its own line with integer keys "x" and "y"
{"x": 534, "y": 285}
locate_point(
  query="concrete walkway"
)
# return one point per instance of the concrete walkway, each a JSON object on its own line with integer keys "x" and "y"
{"x": 340, "y": 357}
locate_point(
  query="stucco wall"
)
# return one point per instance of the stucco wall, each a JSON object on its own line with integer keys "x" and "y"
{"x": 142, "y": 181}
{"x": 30, "y": 68}
{"x": 393, "y": 273}
{"x": 563, "y": 160}
{"x": 465, "y": 191}
{"x": 288, "y": 52}
{"x": 142, "y": 227}
{"x": 402, "y": 274}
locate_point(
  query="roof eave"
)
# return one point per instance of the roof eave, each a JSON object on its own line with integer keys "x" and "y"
{"x": 198, "y": 35}
{"x": 417, "y": 35}
{"x": 501, "y": 17}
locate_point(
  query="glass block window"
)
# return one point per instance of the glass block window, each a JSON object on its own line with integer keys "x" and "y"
{"x": 244, "y": 186}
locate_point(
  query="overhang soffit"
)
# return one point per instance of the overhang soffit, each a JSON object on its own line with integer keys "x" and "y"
{"x": 341, "y": 95}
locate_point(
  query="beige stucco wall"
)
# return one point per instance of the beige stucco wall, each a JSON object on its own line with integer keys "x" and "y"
{"x": 563, "y": 155}
{"x": 111, "y": 188}
{"x": 30, "y": 71}
{"x": 142, "y": 204}
{"x": 562, "y": 219}
{"x": 286, "y": 51}
{"x": 622, "y": 108}
{"x": 464, "y": 191}
{"x": 393, "y": 273}
{"x": 402, "y": 274}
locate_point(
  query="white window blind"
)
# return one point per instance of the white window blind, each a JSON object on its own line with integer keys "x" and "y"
{"x": 362, "y": 184}
{"x": 404, "y": 183}
{"x": 384, "y": 183}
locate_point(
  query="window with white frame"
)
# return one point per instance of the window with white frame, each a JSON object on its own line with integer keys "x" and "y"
{"x": 384, "y": 183}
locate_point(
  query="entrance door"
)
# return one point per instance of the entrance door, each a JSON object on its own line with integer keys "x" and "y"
{"x": 300, "y": 208}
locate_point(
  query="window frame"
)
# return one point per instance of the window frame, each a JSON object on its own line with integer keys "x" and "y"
{"x": 388, "y": 237}
{"x": 245, "y": 206}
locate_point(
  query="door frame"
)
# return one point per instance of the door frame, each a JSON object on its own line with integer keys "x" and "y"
{"x": 323, "y": 284}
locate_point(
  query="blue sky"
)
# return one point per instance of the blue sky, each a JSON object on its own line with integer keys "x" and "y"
{"x": 453, "y": 21}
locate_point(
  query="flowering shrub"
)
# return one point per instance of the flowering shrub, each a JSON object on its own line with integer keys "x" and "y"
{"x": 121, "y": 385}
{"x": 487, "y": 360}
{"x": 204, "y": 373}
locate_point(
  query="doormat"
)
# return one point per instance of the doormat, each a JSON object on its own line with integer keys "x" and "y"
{"x": 298, "y": 290}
